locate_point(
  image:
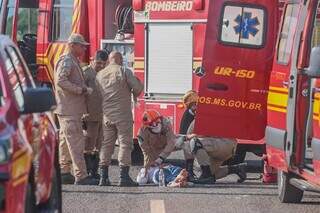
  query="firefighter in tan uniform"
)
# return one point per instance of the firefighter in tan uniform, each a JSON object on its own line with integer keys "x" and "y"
{"x": 157, "y": 141}
{"x": 93, "y": 121}
{"x": 70, "y": 93}
{"x": 116, "y": 85}
{"x": 210, "y": 153}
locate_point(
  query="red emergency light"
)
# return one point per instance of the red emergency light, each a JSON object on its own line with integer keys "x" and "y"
{"x": 138, "y": 5}
{"x": 198, "y": 4}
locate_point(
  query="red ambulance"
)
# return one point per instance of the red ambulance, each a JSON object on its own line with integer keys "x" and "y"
{"x": 293, "y": 127}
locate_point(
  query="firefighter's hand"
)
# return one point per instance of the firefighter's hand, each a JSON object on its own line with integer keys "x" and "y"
{"x": 85, "y": 117}
{"x": 189, "y": 137}
{"x": 180, "y": 141}
{"x": 89, "y": 91}
{"x": 158, "y": 162}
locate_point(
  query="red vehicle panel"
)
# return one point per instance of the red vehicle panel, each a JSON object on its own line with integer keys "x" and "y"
{"x": 237, "y": 60}
{"x": 292, "y": 133}
{"x": 28, "y": 139}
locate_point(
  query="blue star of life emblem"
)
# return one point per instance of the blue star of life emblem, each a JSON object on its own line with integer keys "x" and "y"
{"x": 246, "y": 25}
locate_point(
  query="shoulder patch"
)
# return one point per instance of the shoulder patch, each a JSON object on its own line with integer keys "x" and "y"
{"x": 67, "y": 62}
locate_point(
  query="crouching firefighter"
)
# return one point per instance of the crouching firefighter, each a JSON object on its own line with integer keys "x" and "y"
{"x": 157, "y": 140}
{"x": 211, "y": 152}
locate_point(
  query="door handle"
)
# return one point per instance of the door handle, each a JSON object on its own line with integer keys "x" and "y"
{"x": 285, "y": 84}
{"x": 217, "y": 87}
{"x": 316, "y": 89}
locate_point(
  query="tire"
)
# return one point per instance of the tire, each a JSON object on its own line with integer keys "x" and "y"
{"x": 30, "y": 201}
{"x": 288, "y": 193}
{"x": 136, "y": 154}
{"x": 54, "y": 203}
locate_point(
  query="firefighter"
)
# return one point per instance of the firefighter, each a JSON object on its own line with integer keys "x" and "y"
{"x": 93, "y": 121}
{"x": 190, "y": 102}
{"x": 210, "y": 153}
{"x": 71, "y": 92}
{"x": 157, "y": 140}
{"x": 116, "y": 85}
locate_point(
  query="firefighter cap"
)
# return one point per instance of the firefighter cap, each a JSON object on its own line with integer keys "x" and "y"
{"x": 77, "y": 39}
{"x": 190, "y": 97}
{"x": 150, "y": 116}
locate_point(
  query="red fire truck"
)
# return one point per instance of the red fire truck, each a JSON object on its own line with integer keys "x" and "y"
{"x": 140, "y": 30}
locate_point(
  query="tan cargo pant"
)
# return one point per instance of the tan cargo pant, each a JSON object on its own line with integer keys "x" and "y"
{"x": 111, "y": 132}
{"x": 94, "y": 136}
{"x": 215, "y": 151}
{"x": 73, "y": 139}
{"x": 64, "y": 155}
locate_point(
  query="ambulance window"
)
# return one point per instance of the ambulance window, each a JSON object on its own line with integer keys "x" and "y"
{"x": 10, "y": 15}
{"x": 287, "y": 33}
{"x": 316, "y": 29}
{"x": 243, "y": 26}
{"x": 62, "y": 20}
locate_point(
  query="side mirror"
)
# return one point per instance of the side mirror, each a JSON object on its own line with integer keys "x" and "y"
{"x": 38, "y": 100}
{"x": 314, "y": 66}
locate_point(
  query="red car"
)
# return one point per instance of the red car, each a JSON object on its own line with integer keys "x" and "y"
{"x": 29, "y": 169}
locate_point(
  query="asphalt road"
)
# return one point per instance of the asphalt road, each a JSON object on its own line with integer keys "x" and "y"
{"x": 225, "y": 196}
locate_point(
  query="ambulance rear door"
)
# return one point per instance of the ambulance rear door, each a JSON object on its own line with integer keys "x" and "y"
{"x": 237, "y": 60}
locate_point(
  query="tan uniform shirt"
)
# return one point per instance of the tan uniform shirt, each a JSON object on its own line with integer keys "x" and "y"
{"x": 155, "y": 145}
{"x": 94, "y": 102}
{"x": 69, "y": 81}
{"x": 116, "y": 85}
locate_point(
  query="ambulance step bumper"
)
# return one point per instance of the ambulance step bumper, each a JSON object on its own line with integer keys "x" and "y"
{"x": 304, "y": 185}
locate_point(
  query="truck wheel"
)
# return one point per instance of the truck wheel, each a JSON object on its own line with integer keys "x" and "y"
{"x": 30, "y": 200}
{"x": 136, "y": 154}
{"x": 54, "y": 203}
{"x": 288, "y": 193}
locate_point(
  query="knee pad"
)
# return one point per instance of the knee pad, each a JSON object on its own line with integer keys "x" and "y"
{"x": 195, "y": 145}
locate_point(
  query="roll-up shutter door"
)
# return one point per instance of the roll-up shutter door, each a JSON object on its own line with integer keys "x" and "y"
{"x": 169, "y": 58}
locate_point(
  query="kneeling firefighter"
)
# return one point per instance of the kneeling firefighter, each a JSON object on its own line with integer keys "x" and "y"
{"x": 157, "y": 140}
{"x": 210, "y": 153}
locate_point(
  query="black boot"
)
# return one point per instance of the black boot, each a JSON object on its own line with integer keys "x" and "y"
{"x": 94, "y": 164}
{"x": 67, "y": 178}
{"x": 240, "y": 170}
{"x": 104, "y": 176}
{"x": 125, "y": 179}
{"x": 189, "y": 168}
{"x": 87, "y": 159}
{"x": 206, "y": 176}
{"x": 87, "y": 181}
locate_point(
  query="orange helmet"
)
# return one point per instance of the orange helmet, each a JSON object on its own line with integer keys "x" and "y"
{"x": 150, "y": 116}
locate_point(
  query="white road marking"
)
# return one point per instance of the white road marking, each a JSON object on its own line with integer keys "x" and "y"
{"x": 157, "y": 206}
